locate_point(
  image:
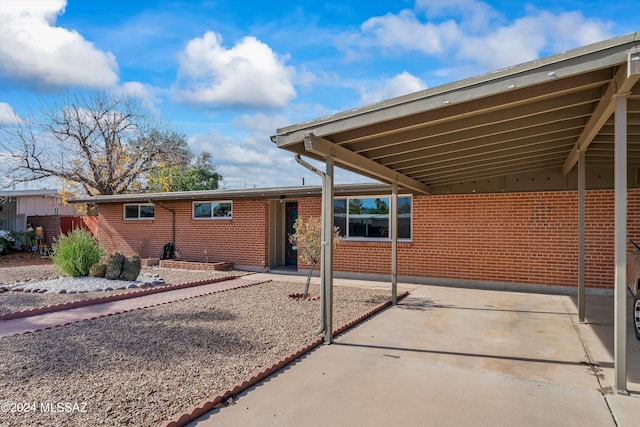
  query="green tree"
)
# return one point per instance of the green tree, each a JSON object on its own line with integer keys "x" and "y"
{"x": 199, "y": 174}
{"x": 355, "y": 206}
{"x": 95, "y": 143}
{"x": 381, "y": 207}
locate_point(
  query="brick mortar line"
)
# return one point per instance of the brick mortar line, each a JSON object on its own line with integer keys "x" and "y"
{"x": 217, "y": 401}
{"x": 215, "y": 291}
{"x": 109, "y": 298}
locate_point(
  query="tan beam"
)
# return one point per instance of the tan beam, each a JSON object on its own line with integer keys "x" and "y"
{"x": 624, "y": 80}
{"x": 325, "y": 148}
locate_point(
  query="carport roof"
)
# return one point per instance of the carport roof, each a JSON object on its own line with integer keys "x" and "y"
{"x": 529, "y": 117}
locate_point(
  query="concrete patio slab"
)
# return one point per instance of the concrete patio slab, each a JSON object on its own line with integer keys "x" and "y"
{"x": 451, "y": 356}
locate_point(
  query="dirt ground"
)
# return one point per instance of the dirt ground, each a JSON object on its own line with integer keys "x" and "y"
{"x": 20, "y": 259}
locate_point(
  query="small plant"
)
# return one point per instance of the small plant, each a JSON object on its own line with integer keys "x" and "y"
{"x": 120, "y": 267}
{"x": 98, "y": 270}
{"x": 131, "y": 268}
{"x": 75, "y": 253}
{"x": 307, "y": 240}
{"x": 115, "y": 264}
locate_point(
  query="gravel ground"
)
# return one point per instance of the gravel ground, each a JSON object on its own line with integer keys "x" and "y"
{"x": 9, "y": 276}
{"x": 17, "y": 301}
{"x": 162, "y": 360}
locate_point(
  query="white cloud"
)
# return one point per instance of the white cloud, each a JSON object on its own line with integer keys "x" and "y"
{"x": 147, "y": 94}
{"x": 37, "y": 52}
{"x": 229, "y": 151}
{"x": 248, "y": 74}
{"x": 245, "y": 161}
{"x": 404, "y": 30}
{"x": 401, "y": 84}
{"x": 248, "y": 159}
{"x": 474, "y": 31}
{"x": 7, "y": 115}
{"x": 262, "y": 124}
{"x": 526, "y": 38}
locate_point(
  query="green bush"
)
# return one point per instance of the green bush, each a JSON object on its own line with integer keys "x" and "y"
{"x": 75, "y": 253}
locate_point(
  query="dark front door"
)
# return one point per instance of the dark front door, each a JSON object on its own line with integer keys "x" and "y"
{"x": 291, "y": 255}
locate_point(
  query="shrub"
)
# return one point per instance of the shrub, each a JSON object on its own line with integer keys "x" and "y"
{"x": 98, "y": 270}
{"x": 7, "y": 241}
{"x": 75, "y": 253}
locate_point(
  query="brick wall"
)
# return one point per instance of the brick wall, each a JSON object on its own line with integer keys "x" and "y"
{"x": 513, "y": 238}
{"x": 242, "y": 240}
{"x": 54, "y": 225}
{"x": 50, "y": 224}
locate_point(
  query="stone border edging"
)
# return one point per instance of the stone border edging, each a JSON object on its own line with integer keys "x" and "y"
{"x": 109, "y": 298}
{"x": 218, "y": 400}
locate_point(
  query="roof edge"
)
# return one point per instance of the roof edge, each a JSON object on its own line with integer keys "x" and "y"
{"x": 246, "y": 194}
{"x": 464, "y": 83}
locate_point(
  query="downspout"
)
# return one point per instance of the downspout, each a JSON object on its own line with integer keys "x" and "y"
{"x": 173, "y": 221}
{"x": 322, "y": 175}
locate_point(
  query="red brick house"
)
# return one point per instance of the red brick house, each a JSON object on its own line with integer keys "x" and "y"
{"x": 510, "y": 240}
{"x": 524, "y": 177}
{"x": 494, "y": 173}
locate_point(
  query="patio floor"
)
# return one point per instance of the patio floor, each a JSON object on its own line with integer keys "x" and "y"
{"x": 451, "y": 356}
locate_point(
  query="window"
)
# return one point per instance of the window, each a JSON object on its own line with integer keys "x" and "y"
{"x": 139, "y": 212}
{"x": 368, "y": 217}
{"x": 212, "y": 210}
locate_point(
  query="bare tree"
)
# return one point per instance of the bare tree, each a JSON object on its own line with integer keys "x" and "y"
{"x": 95, "y": 143}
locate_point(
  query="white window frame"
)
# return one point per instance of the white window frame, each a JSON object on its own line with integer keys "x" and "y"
{"x": 138, "y": 218}
{"x": 376, "y": 239}
{"x": 212, "y": 203}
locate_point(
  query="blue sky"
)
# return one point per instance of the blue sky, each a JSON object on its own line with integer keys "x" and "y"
{"x": 228, "y": 73}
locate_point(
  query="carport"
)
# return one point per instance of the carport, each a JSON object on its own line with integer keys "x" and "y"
{"x": 559, "y": 115}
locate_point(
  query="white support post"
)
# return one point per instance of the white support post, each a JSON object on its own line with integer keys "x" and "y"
{"x": 394, "y": 243}
{"x": 327, "y": 250}
{"x": 582, "y": 166}
{"x": 620, "y": 253}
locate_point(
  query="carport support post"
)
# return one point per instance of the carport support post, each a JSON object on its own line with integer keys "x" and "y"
{"x": 620, "y": 253}
{"x": 327, "y": 250}
{"x": 394, "y": 243}
{"x": 582, "y": 166}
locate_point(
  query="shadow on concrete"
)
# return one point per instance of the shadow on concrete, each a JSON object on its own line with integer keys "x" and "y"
{"x": 474, "y": 355}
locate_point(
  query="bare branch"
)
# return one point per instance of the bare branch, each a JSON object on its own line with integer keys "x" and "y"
{"x": 102, "y": 143}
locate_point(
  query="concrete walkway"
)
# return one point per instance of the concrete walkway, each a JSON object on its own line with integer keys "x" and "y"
{"x": 453, "y": 357}
{"x": 59, "y": 318}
